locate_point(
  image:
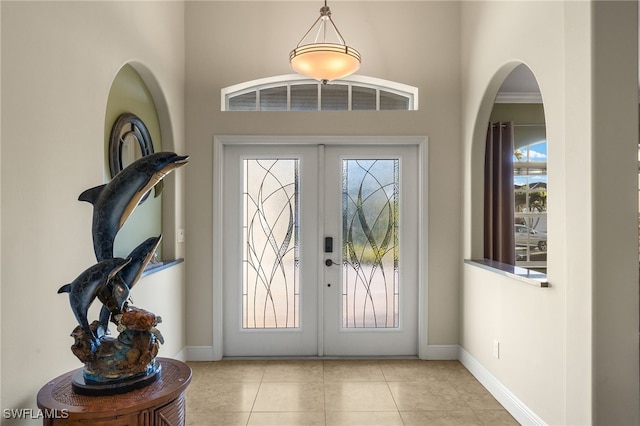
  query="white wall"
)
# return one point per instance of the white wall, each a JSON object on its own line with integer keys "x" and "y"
{"x": 416, "y": 43}
{"x": 551, "y": 340}
{"x": 163, "y": 293}
{"x": 58, "y": 62}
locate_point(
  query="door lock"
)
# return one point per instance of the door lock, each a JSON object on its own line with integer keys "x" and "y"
{"x": 328, "y": 244}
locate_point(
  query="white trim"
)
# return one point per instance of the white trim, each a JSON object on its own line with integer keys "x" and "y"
{"x": 182, "y": 355}
{"x": 217, "y": 261}
{"x": 201, "y": 353}
{"x": 218, "y": 173}
{"x": 518, "y": 98}
{"x": 321, "y": 253}
{"x": 402, "y": 89}
{"x": 315, "y": 140}
{"x": 441, "y": 352}
{"x": 523, "y": 414}
{"x": 423, "y": 249}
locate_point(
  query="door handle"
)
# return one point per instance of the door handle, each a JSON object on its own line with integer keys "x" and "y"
{"x": 329, "y": 262}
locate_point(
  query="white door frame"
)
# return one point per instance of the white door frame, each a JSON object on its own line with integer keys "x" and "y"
{"x": 218, "y": 174}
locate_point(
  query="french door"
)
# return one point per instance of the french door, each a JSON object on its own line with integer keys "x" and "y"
{"x": 320, "y": 248}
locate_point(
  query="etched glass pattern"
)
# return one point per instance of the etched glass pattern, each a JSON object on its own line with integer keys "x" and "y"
{"x": 270, "y": 293}
{"x": 370, "y": 214}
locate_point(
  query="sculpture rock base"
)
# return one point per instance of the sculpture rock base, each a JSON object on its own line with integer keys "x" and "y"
{"x": 122, "y": 364}
{"x": 84, "y": 387}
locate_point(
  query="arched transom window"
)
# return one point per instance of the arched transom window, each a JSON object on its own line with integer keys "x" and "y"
{"x": 297, "y": 93}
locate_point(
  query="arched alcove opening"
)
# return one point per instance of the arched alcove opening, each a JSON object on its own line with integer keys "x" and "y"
{"x": 136, "y": 92}
{"x": 514, "y": 96}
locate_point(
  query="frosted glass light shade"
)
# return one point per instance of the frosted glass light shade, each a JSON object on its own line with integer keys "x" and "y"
{"x": 325, "y": 61}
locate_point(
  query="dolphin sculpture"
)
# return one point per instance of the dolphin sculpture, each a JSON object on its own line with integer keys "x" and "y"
{"x": 84, "y": 289}
{"x": 115, "y": 293}
{"x": 114, "y": 202}
{"x": 140, "y": 257}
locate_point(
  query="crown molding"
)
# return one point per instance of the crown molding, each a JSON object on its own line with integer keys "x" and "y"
{"x": 518, "y": 98}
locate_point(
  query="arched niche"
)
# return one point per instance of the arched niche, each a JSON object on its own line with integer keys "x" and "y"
{"x": 135, "y": 92}
{"x": 513, "y": 95}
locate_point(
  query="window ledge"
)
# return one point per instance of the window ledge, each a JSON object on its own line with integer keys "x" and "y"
{"x": 152, "y": 268}
{"x": 528, "y": 276}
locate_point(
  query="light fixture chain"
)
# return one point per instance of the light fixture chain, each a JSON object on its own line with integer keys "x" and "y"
{"x": 321, "y": 29}
{"x": 308, "y": 31}
{"x": 340, "y": 38}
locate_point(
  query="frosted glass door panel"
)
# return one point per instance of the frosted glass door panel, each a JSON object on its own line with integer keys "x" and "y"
{"x": 270, "y": 295}
{"x": 370, "y": 212}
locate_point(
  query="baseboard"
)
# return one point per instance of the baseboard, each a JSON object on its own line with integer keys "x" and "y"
{"x": 523, "y": 414}
{"x": 200, "y": 353}
{"x": 442, "y": 352}
{"x": 182, "y": 355}
{"x": 434, "y": 352}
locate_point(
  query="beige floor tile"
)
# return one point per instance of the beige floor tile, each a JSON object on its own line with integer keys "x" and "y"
{"x": 499, "y": 417}
{"x": 352, "y": 371}
{"x": 290, "y": 397}
{"x": 410, "y": 371}
{"x": 454, "y": 370}
{"x": 358, "y": 396}
{"x": 294, "y": 371}
{"x": 339, "y": 392}
{"x": 440, "y": 418}
{"x": 217, "y": 419}
{"x": 314, "y": 418}
{"x": 422, "y": 396}
{"x": 350, "y": 418}
{"x": 222, "y": 397}
{"x": 419, "y": 371}
{"x": 476, "y": 396}
{"x": 229, "y": 371}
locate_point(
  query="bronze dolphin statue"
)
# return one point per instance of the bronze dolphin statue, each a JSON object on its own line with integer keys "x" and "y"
{"x": 114, "y": 202}
{"x": 115, "y": 293}
{"x": 84, "y": 289}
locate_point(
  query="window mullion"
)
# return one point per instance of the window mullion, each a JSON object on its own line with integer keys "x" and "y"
{"x": 268, "y": 95}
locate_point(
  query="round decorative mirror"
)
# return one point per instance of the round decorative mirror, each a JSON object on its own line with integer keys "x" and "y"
{"x": 129, "y": 142}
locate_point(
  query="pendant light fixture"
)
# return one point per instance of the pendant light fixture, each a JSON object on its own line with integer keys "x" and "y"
{"x": 320, "y": 59}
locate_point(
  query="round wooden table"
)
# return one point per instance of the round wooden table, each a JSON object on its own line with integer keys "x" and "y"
{"x": 160, "y": 403}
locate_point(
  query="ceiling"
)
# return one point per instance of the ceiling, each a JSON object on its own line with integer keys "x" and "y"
{"x": 521, "y": 80}
{"x": 520, "y": 86}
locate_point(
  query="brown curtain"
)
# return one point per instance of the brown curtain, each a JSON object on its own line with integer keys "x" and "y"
{"x": 499, "y": 235}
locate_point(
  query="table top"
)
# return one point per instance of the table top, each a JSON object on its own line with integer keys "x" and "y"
{"x": 58, "y": 394}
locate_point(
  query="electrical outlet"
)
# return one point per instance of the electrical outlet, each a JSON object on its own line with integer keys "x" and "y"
{"x": 180, "y": 235}
{"x": 496, "y": 349}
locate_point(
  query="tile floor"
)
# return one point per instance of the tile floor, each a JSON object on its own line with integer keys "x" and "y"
{"x": 339, "y": 392}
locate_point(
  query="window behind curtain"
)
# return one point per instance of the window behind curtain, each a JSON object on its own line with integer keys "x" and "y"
{"x": 530, "y": 186}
